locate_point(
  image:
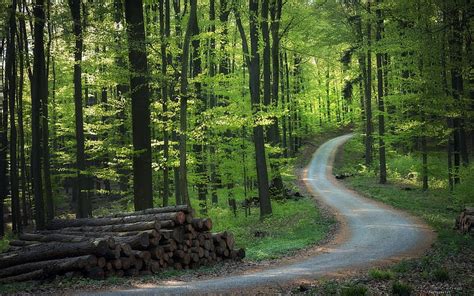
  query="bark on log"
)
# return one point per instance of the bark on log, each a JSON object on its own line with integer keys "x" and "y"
{"x": 34, "y": 275}
{"x": 137, "y": 226}
{"x": 51, "y": 251}
{"x": 180, "y": 208}
{"x": 166, "y": 218}
{"x": 52, "y": 266}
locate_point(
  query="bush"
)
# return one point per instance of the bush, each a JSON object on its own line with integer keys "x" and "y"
{"x": 401, "y": 289}
{"x": 378, "y": 274}
{"x": 356, "y": 290}
{"x": 441, "y": 275}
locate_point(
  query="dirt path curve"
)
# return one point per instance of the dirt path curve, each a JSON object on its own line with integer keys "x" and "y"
{"x": 371, "y": 233}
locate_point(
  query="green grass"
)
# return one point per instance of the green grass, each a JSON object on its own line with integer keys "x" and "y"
{"x": 378, "y": 274}
{"x": 293, "y": 225}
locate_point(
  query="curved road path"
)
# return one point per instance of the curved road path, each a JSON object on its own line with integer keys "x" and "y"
{"x": 371, "y": 233}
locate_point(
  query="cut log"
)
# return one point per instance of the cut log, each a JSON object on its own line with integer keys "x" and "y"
{"x": 137, "y": 226}
{"x": 52, "y": 266}
{"x": 34, "y": 275}
{"x": 180, "y": 208}
{"x": 166, "y": 218}
{"x": 49, "y": 251}
{"x": 140, "y": 241}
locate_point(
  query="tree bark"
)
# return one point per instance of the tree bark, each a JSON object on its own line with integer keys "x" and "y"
{"x": 253, "y": 63}
{"x": 48, "y": 189}
{"x": 368, "y": 97}
{"x": 184, "y": 104}
{"x": 53, "y": 250}
{"x": 380, "y": 96}
{"x": 11, "y": 71}
{"x": 164, "y": 9}
{"x": 83, "y": 203}
{"x": 39, "y": 86}
{"x": 142, "y": 172}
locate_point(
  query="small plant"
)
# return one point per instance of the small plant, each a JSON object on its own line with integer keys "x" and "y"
{"x": 378, "y": 274}
{"x": 401, "y": 289}
{"x": 329, "y": 288}
{"x": 441, "y": 275}
{"x": 355, "y": 290}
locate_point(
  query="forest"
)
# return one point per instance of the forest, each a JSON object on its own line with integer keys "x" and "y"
{"x": 173, "y": 107}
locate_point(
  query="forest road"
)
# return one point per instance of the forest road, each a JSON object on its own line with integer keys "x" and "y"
{"x": 371, "y": 234}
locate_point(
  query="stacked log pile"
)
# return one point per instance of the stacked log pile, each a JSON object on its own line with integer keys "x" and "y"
{"x": 465, "y": 222}
{"x": 125, "y": 244}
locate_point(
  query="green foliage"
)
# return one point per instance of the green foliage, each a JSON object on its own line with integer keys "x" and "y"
{"x": 440, "y": 275}
{"x": 401, "y": 289}
{"x": 354, "y": 290}
{"x": 293, "y": 225}
{"x": 378, "y": 274}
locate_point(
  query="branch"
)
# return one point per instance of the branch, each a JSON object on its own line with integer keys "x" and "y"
{"x": 245, "y": 46}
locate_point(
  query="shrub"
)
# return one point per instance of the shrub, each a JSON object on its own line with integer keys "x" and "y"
{"x": 401, "y": 289}
{"x": 378, "y": 274}
{"x": 355, "y": 290}
{"x": 441, "y": 275}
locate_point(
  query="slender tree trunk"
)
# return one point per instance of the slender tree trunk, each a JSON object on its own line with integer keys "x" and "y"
{"x": 368, "y": 97}
{"x": 270, "y": 92}
{"x": 202, "y": 178}
{"x": 39, "y": 86}
{"x": 11, "y": 77}
{"x": 48, "y": 188}
{"x": 283, "y": 107}
{"x": 142, "y": 172}
{"x": 253, "y": 63}
{"x": 164, "y": 9}
{"x": 183, "y": 184}
{"x": 21, "y": 132}
{"x": 380, "y": 96}
{"x": 3, "y": 145}
{"x": 213, "y": 99}
{"x": 174, "y": 134}
{"x": 83, "y": 203}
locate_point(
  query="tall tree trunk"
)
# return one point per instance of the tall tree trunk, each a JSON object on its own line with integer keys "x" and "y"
{"x": 213, "y": 98}
{"x": 3, "y": 146}
{"x": 457, "y": 81}
{"x": 83, "y": 203}
{"x": 11, "y": 79}
{"x": 380, "y": 96}
{"x": 48, "y": 189}
{"x": 142, "y": 173}
{"x": 198, "y": 148}
{"x": 174, "y": 134}
{"x": 21, "y": 131}
{"x": 253, "y": 63}
{"x": 183, "y": 184}
{"x": 368, "y": 96}
{"x": 164, "y": 9}
{"x": 39, "y": 90}
{"x": 270, "y": 92}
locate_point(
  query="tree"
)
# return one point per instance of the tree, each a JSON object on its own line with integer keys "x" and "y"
{"x": 252, "y": 59}
{"x": 380, "y": 97}
{"x": 190, "y": 30}
{"x": 39, "y": 90}
{"x": 83, "y": 203}
{"x": 142, "y": 173}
